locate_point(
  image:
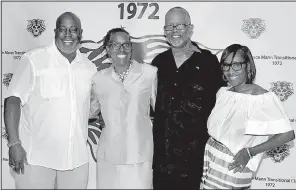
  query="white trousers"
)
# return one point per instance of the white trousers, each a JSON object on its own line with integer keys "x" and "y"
{"x": 38, "y": 177}
{"x": 129, "y": 176}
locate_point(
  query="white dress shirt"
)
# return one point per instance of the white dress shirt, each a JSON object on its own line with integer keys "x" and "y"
{"x": 244, "y": 120}
{"x": 125, "y": 106}
{"x": 55, "y": 98}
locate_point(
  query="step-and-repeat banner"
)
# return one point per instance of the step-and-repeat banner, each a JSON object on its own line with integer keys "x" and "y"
{"x": 267, "y": 28}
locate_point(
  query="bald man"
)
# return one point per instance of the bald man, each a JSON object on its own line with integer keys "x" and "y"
{"x": 188, "y": 79}
{"x": 46, "y": 112}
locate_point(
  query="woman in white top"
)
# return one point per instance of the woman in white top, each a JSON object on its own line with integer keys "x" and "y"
{"x": 124, "y": 93}
{"x": 246, "y": 121}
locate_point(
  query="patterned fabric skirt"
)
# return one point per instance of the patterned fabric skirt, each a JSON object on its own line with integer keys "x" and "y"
{"x": 216, "y": 174}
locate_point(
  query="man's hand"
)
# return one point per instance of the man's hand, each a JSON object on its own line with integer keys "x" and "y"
{"x": 17, "y": 158}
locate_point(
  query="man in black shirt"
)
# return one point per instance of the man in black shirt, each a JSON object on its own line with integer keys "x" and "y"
{"x": 188, "y": 79}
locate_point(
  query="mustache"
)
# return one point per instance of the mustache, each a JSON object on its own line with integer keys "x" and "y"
{"x": 78, "y": 38}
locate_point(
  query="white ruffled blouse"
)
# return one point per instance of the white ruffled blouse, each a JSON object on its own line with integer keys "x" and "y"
{"x": 244, "y": 120}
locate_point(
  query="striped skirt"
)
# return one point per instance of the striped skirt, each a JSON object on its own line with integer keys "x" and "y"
{"x": 215, "y": 172}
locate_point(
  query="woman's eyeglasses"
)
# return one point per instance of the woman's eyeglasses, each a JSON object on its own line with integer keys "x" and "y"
{"x": 117, "y": 46}
{"x": 236, "y": 66}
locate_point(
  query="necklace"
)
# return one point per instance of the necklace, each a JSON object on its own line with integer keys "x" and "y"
{"x": 122, "y": 76}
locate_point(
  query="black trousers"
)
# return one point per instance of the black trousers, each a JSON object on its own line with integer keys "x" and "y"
{"x": 166, "y": 180}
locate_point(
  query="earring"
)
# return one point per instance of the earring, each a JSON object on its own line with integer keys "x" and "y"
{"x": 107, "y": 53}
{"x": 249, "y": 73}
{"x": 224, "y": 78}
{"x": 249, "y": 76}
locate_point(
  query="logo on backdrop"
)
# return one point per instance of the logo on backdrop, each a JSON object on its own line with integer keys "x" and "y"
{"x": 145, "y": 48}
{"x": 36, "y": 27}
{"x": 253, "y": 27}
{"x": 279, "y": 154}
{"x": 4, "y": 133}
{"x": 6, "y": 79}
{"x": 282, "y": 89}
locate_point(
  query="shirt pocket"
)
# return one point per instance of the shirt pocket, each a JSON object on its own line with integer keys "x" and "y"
{"x": 83, "y": 82}
{"x": 52, "y": 83}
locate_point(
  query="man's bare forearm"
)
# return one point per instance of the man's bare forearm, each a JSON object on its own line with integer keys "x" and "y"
{"x": 12, "y": 112}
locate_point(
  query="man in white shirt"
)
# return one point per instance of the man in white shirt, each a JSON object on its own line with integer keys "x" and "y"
{"x": 46, "y": 112}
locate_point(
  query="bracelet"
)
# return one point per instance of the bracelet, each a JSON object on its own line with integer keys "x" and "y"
{"x": 11, "y": 144}
{"x": 249, "y": 153}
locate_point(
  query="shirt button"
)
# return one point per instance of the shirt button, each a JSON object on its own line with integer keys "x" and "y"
{"x": 177, "y": 71}
{"x": 173, "y": 98}
{"x": 175, "y": 84}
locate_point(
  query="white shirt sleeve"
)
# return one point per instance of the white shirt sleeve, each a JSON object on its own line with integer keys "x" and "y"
{"x": 268, "y": 117}
{"x": 22, "y": 81}
{"x": 154, "y": 91}
{"x": 95, "y": 106}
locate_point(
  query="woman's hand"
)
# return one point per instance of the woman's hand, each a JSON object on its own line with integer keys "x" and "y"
{"x": 240, "y": 161}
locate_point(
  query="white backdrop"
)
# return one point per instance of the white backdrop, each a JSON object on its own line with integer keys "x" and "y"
{"x": 268, "y": 29}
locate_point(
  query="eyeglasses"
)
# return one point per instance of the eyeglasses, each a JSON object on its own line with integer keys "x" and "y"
{"x": 73, "y": 30}
{"x": 236, "y": 66}
{"x": 117, "y": 46}
{"x": 171, "y": 27}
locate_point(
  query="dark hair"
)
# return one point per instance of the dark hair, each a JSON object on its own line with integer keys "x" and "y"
{"x": 246, "y": 54}
{"x": 110, "y": 33}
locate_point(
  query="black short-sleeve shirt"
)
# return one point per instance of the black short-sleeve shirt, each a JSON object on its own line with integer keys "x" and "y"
{"x": 185, "y": 98}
